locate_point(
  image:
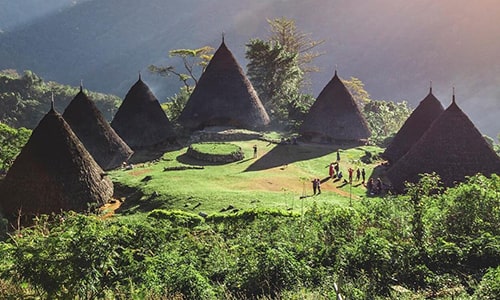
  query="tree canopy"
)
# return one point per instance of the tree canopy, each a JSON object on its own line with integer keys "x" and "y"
{"x": 24, "y": 99}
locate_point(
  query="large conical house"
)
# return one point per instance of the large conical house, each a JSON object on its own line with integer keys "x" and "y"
{"x": 100, "y": 139}
{"x": 224, "y": 97}
{"x": 140, "y": 121}
{"x": 452, "y": 147}
{"x": 415, "y": 126}
{"x": 335, "y": 116}
{"x": 53, "y": 173}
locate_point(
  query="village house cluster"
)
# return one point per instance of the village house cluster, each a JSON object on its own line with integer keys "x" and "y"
{"x": 62, "y": 167}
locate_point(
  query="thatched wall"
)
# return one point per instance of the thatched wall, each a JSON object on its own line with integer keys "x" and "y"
{"x": 415, "y": 126}
{"x": 100, "y": 139}
{"x": 452, "y": 147}
{"x": 140, "y": 120}
{"x": 335, "y": 116}
{"x": 53, "y": 172}
{"x": 224, "y": 97}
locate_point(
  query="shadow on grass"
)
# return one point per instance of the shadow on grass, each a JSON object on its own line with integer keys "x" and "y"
{"x": 380, "y": 172}
{"x": 282, "y": 155}
{"x": 187, "y": 160}
{"x": 135, "y": 201}
{"x": 152, "y": 153}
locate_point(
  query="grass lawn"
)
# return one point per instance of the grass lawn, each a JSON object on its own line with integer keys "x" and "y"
{"x": 280, "y": 177}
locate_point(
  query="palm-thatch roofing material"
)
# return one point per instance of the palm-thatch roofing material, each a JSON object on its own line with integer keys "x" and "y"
{"x": 415, "y": 126}
{"x": 100, "y": 139}
{"x": 53, "y": 172}
{"x": 140, "y": 121}
{"x": 224, "y": 97}
{"x": 335, "y": 116}
{"x": 452, "y": 147}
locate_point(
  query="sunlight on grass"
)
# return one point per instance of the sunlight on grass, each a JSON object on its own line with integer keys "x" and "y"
{"x": 280, "y": 177}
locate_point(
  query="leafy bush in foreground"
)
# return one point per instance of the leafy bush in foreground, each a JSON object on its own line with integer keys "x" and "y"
{"x": 388, "y": 247}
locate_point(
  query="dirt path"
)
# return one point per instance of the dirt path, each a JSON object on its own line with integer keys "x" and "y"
{"x": 109, "y": 209}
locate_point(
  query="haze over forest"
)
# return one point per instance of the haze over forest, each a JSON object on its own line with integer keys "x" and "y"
{"x": 395, "y": 47}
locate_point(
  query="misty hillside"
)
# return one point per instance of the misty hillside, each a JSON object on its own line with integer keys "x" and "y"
{"x": 395, "y": 47}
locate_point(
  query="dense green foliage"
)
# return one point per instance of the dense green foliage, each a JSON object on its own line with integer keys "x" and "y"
{"x": 11, "y": 142}
{"x": 372, "y": 252}
{"x": 384, "y": 119}
{"x": 277, "y": 68}
{"x": 25, "y": 99}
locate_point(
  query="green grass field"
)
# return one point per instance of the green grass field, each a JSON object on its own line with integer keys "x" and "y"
{"x": 280, "y": 177}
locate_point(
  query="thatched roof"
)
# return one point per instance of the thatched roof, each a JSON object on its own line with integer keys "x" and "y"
{"x": 224, "y": 97}
{"x": 452, "y": 147}
{"x": 100, "y": 139}
{"x": 335, "y": 116}
{"x": 415, "y": 126}
{"x": 140, "y": 120}
{"x": 53, "y": 172}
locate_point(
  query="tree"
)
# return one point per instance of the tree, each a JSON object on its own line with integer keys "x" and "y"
{"x": 284, "y": 32}
{"x": 194, "y": 62}
{"x": 277, "y": 68}
{"x": 275, "y": 75}
{"x": 385, "y": 118}
{"x": 25, "y": 99}
{"x": 357, "y": 89}
{"x": 11, "y": 142}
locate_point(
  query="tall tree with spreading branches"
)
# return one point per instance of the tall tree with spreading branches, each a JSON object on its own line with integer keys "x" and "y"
{"x": 194, "y": 62}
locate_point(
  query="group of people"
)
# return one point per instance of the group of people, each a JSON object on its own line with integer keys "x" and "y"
{"x": 316, "y": 186}
{"x": 334, "y": 172}
{"x": 375, "y": 187}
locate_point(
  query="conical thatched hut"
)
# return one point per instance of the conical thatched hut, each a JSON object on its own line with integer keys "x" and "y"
{"x": 53, "y": 172}
{"x": 100, "y": 139}
{"x": 415, "y": 126}
{"x": 224, "y": 97}
{"x": 335, "y": 116}
{"x": 452, "y": 147}
{"x": 140, "y": 120}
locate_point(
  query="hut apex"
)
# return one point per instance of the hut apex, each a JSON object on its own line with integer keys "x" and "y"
{"x": 224, "y": 97}
{"x": 140, "y": 121}
{"x": 452, "y": 147}
{"x": 64, "y": 176}
{"x": 335, "y": 117}
{"x": 94, "y": 131}
{"x": 414, "y": 127}
{"x": 52, "y": 102}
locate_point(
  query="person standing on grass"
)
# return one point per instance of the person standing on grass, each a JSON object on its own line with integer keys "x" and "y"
{"x": 358, "y": 174}
{"x": 350, "y": 170}
{"x": 315, "y": 186}
{"x": 330, "y": 170}
{"x": 363, "y": 174}
{"x": 338, "y": 155}
{"x": 254, "y": 151}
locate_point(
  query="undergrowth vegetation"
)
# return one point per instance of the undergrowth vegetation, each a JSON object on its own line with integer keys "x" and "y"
{"x": 425, "y": 244}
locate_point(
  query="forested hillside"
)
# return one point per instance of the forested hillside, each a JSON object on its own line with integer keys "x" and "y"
{"x": 24, "y": 99}
{"x": 394, "y": 47}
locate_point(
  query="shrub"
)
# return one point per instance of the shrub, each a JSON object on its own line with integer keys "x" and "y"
{"x": 177, "y": 217}
{"x": 489, "y": 287}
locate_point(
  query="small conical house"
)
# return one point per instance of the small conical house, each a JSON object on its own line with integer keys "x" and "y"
{"x": 224, "y": 97}
{"x": 54, "y": 172}
{"x": 452, "y": 147}
{"x": 335, "y": 116}
{"x": 415, "y": 126}
{"x": 100, "y": 139}
{"x": 140, "y": 121}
